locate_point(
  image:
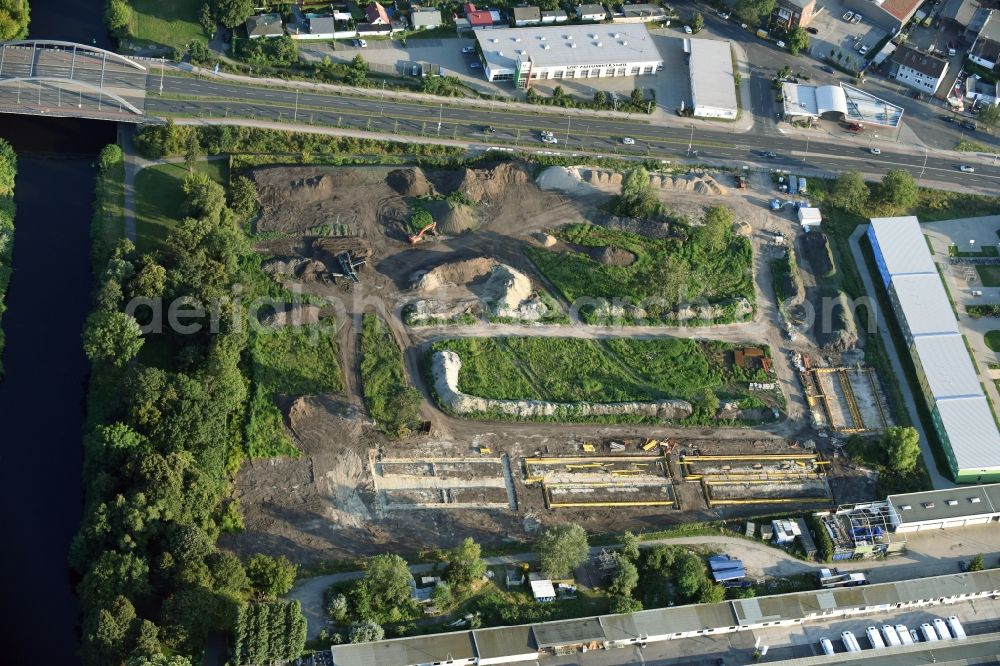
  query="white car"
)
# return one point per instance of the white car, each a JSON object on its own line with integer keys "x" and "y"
{"x": 967, "y": 169}
{"x": 628, "y": 141}
{"x": 780, "y": 44}
{"x": 362, "y": 43}
{"x": 848, "y": 16}
{"x": 549, "y": 139}
{"x": 469, "y": 49}
{"x": 875, "y": 151}
{"x": 687, "y": 30}
{"x": 857, "y": 19}
{"x": 863, "y": 50}
{"x": 724, "y": 15}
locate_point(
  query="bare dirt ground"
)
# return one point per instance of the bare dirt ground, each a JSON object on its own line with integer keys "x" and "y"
{"x": 326, "y": 504}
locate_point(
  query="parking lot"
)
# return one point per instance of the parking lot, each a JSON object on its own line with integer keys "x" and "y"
{"x": 836, "y": 37}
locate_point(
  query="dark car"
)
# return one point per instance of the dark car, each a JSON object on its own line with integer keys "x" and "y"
{"x": 969, "y": 125}
{"x": 962, "y": 566}
{"x": 947, "y": 119}
{"x": 768, "y": 153}
{"x": 812, "y": 31}
{"x": 490, "y": 129}
{"x": 827, "y": 69}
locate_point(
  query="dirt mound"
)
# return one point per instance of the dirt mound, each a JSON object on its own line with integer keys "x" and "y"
{"x": 452, "y": 218}
{"x": 546, "y": 240}
{"x": 489, "y": 184}
{"x": 460, "y": 288}
{"x": 699, "y": 183}
{"x": 612, "y": 256}
{"x": 409, "y": 182}
{"x": 564, "y": 179}
{"x": 296, "y": 315}
{"x": 456, "y": 272}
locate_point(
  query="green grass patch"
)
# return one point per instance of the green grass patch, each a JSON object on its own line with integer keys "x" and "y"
{"x": 666, "y": 272}
{"x": 992, "y": 339}
{"x": 288, "y": 361}
{"x": 107, "y": 225}
{"x": 391, "y": 401}
{"x": 967, "y": 146}
{"x": 989, "y": 274}
{"x": 617, "y": 370}
{"x": 983, "y": 310}
{"x": 159, "y": 199}
{"x": 953, "y": 251}
{"x": 173, "y": 23}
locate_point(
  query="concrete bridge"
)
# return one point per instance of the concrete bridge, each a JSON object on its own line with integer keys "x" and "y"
{"x": 54, "y": 78}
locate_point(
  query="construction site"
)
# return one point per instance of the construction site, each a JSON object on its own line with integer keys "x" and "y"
{"x": 845, "y": 399}
{"x": 861, "y": 531}
{"x": 443, "y": 483}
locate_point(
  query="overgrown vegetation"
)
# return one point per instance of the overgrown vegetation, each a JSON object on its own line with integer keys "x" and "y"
{"x": 895, "y": 454}
{"x": 614, "y": 370}
{"x": 160, "y": 200}
{"x": 8, "y": 172}
{"x": 983, "y": 310}
{"x": 391, "y": 401}
{"x": 708, "y": 265}
{"x": 15, "y": 15}
{"x": 158, "y": 445}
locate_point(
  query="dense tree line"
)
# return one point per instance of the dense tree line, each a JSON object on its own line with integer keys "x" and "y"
{"x": 8, "y": 170}
{"x": 158, "y": 444}
{"x": 267, "y": 632}
{"x": 14, "y": 18}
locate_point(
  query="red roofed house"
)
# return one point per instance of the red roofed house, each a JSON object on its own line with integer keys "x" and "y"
{"x": 477, "y": 18}
{"x": 376, "y": 14}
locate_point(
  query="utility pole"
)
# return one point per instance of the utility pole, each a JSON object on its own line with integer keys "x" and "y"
{"x": 161, "y": 75}
{"x": 296, "y": 116}
{"x": 690, "y": 141}
{"x": 924, "y": 166}
{"x": 440, "y": 117}
{"x": 568, "y": 119}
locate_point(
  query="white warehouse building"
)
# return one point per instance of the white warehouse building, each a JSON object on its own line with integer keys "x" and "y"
{"x": 522, "y": 55}
{"x": 713, "y": 85}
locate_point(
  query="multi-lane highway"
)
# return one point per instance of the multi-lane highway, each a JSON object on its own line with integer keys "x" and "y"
{"x": 217, "y": 98}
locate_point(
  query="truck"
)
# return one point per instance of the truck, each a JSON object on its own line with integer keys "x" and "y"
{"x": 851, "y": 643}
{"x": 875, "y": 638}
{"x": 837, "y": 579}
{"x": 957, "y": 630}
{"x": 855, "y": 127}
{"x": 892, "y": 638}
{"x": 762, "y": 34}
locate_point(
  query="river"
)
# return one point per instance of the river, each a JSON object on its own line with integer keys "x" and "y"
{"x": 43, "y": 390}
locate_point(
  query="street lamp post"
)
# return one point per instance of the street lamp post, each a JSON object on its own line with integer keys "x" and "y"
{"x": 690, "y": 141}
{"x": 161, "y": 74}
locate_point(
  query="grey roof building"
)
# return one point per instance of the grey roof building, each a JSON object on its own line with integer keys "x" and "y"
{"x": 264, "y": 25}
{"x": 527, "y": 15}
{"x": 953, "y": 507}
{"x": 713, "y": 83}
{"x": 959, "y": 12}
{"x": 426, "y": 17}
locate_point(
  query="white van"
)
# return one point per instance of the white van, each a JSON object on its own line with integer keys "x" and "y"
{"x": 928, "y": 632}
{"x": 827, "y": 646}
{"x": 904, "y": 634}
{"x": 957, "y": 630}
{"x": 942, "y": 629}
{"x": 851, "y": 643}
{"x": 891, "y": 637}
{"x": 875, "y": 638}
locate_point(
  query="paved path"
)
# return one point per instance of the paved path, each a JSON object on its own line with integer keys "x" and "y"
{"x": 938, "y": 480}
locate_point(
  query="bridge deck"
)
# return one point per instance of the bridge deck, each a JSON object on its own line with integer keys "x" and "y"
{"x": 70, "y": 80}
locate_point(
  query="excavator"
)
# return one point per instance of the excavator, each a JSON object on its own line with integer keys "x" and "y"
{"x": 419, "y": 236}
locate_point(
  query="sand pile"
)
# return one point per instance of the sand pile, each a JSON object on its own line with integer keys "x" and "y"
{"x": 475, "y": 286}
{"x": 409, "y": 182}
{"x": 563, "y": 179}
{"x": 546, "y": 240}
{"x": 446, "y": 366}
{"x": 612, "y": 256}
{"x": 692, "y": 182}
{"x": 452, "y": 218}
{"x": 601, "y": 178}
{"x": 492, "y": 183}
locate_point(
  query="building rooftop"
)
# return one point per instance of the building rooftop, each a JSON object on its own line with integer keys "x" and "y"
{"x": 711, "y": 66}
{"x": 934, "y": 505}
{"x": 405, "y": 651}
{"x": 265, "y": 25}
{"x": 799, "y": 4}
{"x": 947, "y": 366}
{"x": 972, "y": 433}
{"x": 527, "y": 14}
{"x": 960, "y": 11}
{"x": 587, "y": 10}
{"x": 902, "y": 245}
{"x": 643, "y": 10}
{"x": 991, "y": 27}
{"x": 322, "y": 25}
{"x": 480, "y": 17}
{"x": 924, "y": 63}
{"x": 925, "y": 304}
{"x": 901, "y": 9}
{"x": 567, "y": 45}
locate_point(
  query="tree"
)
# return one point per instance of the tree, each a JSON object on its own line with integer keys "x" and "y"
{"x": 750, "y": 11}
{"x": 465, "y": 564}
{"x": 232, "y": 13}
{"x": 111, "y": 337}
{"x": 849, "y": 192}
{"x": 14, "y": 18}
{"x": 713, "y": 235}
{"x": 697, "y": 23}
{"x": 243, "y": 196}
{"x": 192, "y": 152}
{"x": 357, "y": 73}
{"x": 898, "y": 190}
{"x": 625, "y": 605}
{"x": 366, "y": 632}
{"x": 976, "y": 563}
{"x": 442, "y": 596}
{"x": 688, "y": 574}
{"x": 8, "y": 169}
{"x": 797, "y": 40}
{"x": 150, "y": 280}
{"x": 659, "y": 559}
{"x": 706, "y": 405}
{"x": 630, "y": 547}
{"x": 901, "y": 447}
{"x": 384, "y": 592}
{"x": 637, "y": 198}
{"x": 625, "y": 577}
{"x": 338, "y": 609}
{"x": 710, "y": 593}
{"x": 106, "y": 636}
{"x": 989, "y": 116}
{"x": 637, "y": 97}
{"x": 561, "y": 549}
{"x": 206, "y": 20}
{"x": 205, "y": 198}
{"x": 271, "y": 577}
{"x": 111, "y": 155}
{"x": 600, "y": 99}
{"x": 118, "y": 17}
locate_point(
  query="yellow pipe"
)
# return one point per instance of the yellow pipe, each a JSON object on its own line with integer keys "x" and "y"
{"x": 587, "y": 459}
{"x": 762, "y": 456}
{"x": 780, "y": 500}
{"x": 557, "y": 505}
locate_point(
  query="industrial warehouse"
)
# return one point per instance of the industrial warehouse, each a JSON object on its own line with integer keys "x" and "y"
{"x": 948, "y": 379}
{"x": 567, "y": 52}
{"x": 528, "y": 643}
{"x": 713, "y": 85}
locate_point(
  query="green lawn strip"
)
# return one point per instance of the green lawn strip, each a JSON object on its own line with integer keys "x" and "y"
{"x": 667, "y": 270}
{"x": 288, "y": 361}
{"x": 989, "y": 274}
{"x": 391, "y": 401}
{"x": 977, "y": 310}
{"x": 992, "y": 339}
{"x": 173, "y": 23}
{"x": 107, "y": 225}
{"x": 159, "y": 199}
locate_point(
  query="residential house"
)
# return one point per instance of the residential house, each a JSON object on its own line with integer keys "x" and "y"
{"x": 376, "y": 15}
{"x": 477, "y": 18}
{"x": 790, "y": 14}
{"x": 591, "y": 12}
{"x": 958, "y": 14}
{"x": 985, "y": 51}
{"x": 265, "y": 25}
{"x": 541, "y": 588}
{"x": 554, "y": 16}
{"x": 638, "y": 14}
{"x": 921, "y": 71}
{"x": 424, "y": 18}
{"x": 527, "y": 15}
